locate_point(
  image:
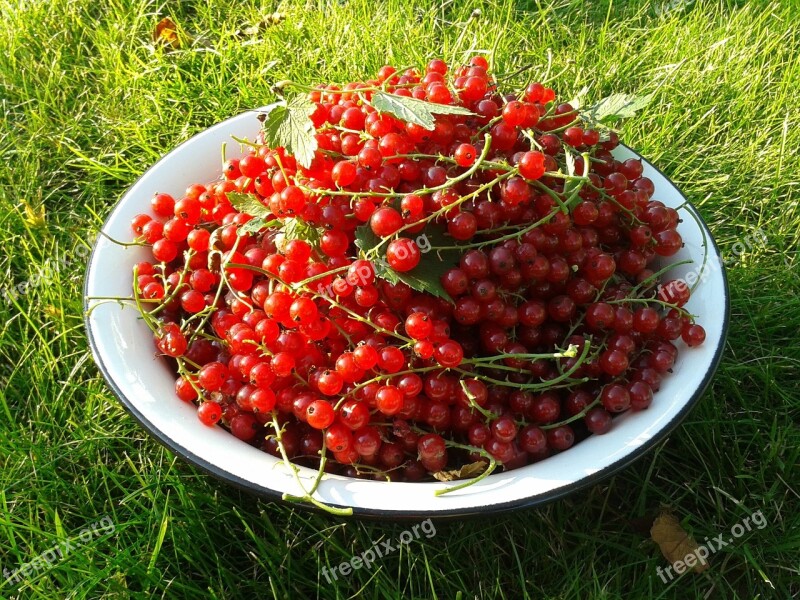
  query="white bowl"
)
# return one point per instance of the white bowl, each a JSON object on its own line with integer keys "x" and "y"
{"x": 123, "y": 350}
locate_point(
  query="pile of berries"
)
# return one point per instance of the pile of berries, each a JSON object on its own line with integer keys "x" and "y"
{"x": 546, "y": 315}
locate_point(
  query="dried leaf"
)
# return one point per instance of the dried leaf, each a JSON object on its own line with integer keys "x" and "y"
{"x": 674, "y": 542}
{"x": 465, "y": 472}
{"x": 34, "y": 217}
{"x": 52, "y": 311}
{"x": 263, "y": 24}
{"x": 166, "y": 33}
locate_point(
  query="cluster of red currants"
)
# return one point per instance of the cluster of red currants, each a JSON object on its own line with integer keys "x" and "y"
{"x": 551, "y": 319}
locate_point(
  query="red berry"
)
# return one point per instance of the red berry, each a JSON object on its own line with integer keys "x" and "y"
{"x": 403, "y": 254}
{"x": 389, "y": 400}
{"x": 693, "y": 335}
{"x": 385, "y": 221}
{"x": 448, "y": 354}
{"x": 465, "y": 155}
{"x": 531, "y": 165}
{"x": 209, "y": 413}
{"x": 320, "y": 414}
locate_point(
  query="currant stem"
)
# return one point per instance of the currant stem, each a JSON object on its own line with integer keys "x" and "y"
{"x": 307, "y": 497}
{"x": 473, "y": 404}
{"x": 489, "y": 469}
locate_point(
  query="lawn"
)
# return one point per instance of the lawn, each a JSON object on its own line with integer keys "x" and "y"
{"x": 88, "y": 104}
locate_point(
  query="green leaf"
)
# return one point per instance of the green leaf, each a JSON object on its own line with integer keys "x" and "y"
{"x": 427, "y": 275}
{"x": 615, "y": 107}
{"x": 412, "y": 110}
{"x": 257, "y": 224}
{"x": 577, "y": 101}
{"x": 289, "y": 126}
{"x": 570, "y": 162}
{"x": 248, "y": 204}
{"x": 297, "y": 229}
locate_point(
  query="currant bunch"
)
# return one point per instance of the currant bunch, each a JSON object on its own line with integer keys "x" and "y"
{"x": 550, "y": 318}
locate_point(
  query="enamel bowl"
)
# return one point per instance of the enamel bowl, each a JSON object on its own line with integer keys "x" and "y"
{"x": 123, "y": 350}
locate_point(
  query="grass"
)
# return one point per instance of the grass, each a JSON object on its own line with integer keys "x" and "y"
{"x": 88, "y": 105}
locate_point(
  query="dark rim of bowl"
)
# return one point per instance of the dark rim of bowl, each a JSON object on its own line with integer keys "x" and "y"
{"x": 493, "y": 509}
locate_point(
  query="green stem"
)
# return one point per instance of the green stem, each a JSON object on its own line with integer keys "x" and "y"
{"x": 489, "y": 415}
{"x": 511, "y": 236}
{"x": 423, "y": 191}
{"x": 307, "y": 497}
{"x": 118, "y": 243}
{"x": 304, "y": 282}
{"x": 549, "y": 384}
{"x": 573, "y": 418}
{"x": 465, "y": 484}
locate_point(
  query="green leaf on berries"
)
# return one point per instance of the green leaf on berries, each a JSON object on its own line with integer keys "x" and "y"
{"x": 570, "y": 184}
{"x": 257, "y": 224}
{"x": 248, "y": 204}
{"x": 427, "y": 275}
{"x": 570, "y": 161}
{"x": 615, "y": 107}
{"x": 297, "y": 229}
{"x": 412, "y": 110}
{"x": 577, "y": 101}
{"x": 289, "y": 126}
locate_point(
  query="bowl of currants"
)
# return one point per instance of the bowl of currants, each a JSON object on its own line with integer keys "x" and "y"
{"x": 418, "y": 295}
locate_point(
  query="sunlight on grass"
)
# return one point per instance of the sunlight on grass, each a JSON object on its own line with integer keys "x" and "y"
{"x": 89, "y": 102}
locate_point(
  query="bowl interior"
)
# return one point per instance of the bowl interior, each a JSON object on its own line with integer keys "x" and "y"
{"x": 124, "y": 351}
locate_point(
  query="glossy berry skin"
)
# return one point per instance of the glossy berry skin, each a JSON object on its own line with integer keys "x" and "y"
{"x": 462, "y": 226}
{"x": 598, "y": 420}
{"x": 675, "y": 291}
{"x": 514, "y": 113}
{"x": 531, "y": 165}
{"x": 320, "y": 414}
{"x": 389, "y": 400}
{"x": 344, "y": 173}
{"x": 385, "y": 221}
{"x": 418, "y": 326}
{"x": 560, "y": 438}
{"x": 330, "y": 383}
{"x": 403, "y": 254}
{"x": 693, "y": 335}
{"x": 465, "y": 155}
{"x": 209, "y": 413}
{"x": 615, "y": 398}
{"x": 449, "y": 353}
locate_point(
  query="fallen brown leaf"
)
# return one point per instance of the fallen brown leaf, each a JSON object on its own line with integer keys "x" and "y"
{"x": 34, "y": 217}
{"x": 263, "y": 24}
{"x": 466, "y": 472}
{"x": 675, "y": 544}
{"x": 166, "y": 33}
